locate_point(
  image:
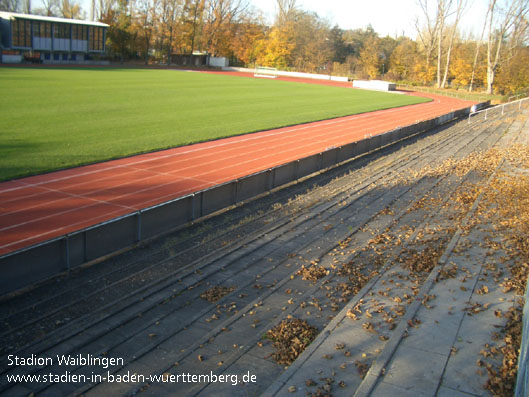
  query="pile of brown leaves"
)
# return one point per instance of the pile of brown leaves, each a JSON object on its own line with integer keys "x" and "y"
{"x": 422, "y": 261}
{"x": 312, "y": 273}
{"x": 505, "y": 203}
{"x": 291, "y": 337}
{"x": 216, "y": 293}
{"x": 502, "y": 381}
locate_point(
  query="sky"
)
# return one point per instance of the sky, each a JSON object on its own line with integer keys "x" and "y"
{"x": 388, "y": 17}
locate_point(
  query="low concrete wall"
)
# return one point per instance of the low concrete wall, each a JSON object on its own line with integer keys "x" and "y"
{"x": 11, "y": 58}
{"x": 218, "y": 62}
{"x": 293, "y": 74}
{"x": 29, "y": 266}
{"x": 377, "y": 85}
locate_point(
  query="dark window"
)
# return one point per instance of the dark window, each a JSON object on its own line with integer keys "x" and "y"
{"x": 74, "y": 57}
{"x": 21, "y": 33}
{"x": 78, "y": 32}
{"x": 42, "y": 29}
{"x": 61, "y": 31}
{"x": 95, "y": 41}
{"x": 47, "y": 56}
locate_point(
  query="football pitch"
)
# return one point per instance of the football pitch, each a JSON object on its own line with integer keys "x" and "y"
{"x": 55, "y": 118}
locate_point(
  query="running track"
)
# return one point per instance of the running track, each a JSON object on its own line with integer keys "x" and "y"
{"x": 43, "y": 207}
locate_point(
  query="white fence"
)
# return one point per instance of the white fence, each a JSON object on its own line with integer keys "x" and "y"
{"x": 510, "y": 106}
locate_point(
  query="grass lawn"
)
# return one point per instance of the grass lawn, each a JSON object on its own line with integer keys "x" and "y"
{"x": 59, "y": 118}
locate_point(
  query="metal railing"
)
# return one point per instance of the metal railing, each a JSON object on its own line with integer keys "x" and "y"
{"x": 524, "y": 94}
{"x": 509, "y": 106}
{"x": 466, "y": 96}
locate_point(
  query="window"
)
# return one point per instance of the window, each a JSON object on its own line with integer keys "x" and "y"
{"x": 95, "y": 41}
{"x": 61, "y": 31}
{"x": 78, "y": 32}
{"x": 21, "y": 33}
{"x": 42, "y": 29}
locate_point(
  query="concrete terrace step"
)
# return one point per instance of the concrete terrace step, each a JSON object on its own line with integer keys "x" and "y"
{"x": 434, "y": 349}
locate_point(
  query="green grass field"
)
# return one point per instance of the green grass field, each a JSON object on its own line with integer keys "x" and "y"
{"x": 59, "y": 118}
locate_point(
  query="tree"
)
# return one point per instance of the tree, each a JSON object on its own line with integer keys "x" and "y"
{"x": 220, "y": 18}
{"x": 501, "y": 22}
{"x": 313, "y": 47}
{"x": 370, "y": 57}
{"x": 460, "y": 7}
{"x": 513, "y": 76}
{"x": 170, "y": 14}
{"x": 443, "y": 11}
{"x": 286, "y": 11}
{"x": 428, "y": 36}
{"x": 248, "y": 33}
{"x": 50, "y": 8}
{"x": 192, "y": 19}
{"x": 340, "y": 48}
{"x": 105, "y": 8}
{"x": 275, "y": 50}
{"x": 144, "y": 25}
{"x": 461, "y": 69}
{"x": 10, "y": 5}
{"x": 476, "y": 54}
{"x": 71, "y": 10}
{"x": 403, "y": 59}
{"x": 119, "y": 34}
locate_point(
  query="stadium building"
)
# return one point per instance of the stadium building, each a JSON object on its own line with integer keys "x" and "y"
{"x": 38, "y": 39}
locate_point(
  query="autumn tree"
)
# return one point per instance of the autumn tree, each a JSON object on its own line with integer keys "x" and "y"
{"x": 170, "y": 14}
{"x": 403, "y": 59}
{"x": 313, "y": 47}
{"x": 103, "y": 8}
{"x": 506, "y": 25}
{"x": 247, "y": 32}
{"x": 192, "y": 18}
{"x": 513, "y": 76}
{"x": 71, "y": 10}
{"x": 221, "y": 16}
{"x": 428, "y": 36}
{"x": 119, "y": 35}
{"x": 286, "y": 11}
{"x": 340, "y": 48}
{"x": 462, "y": 71}
{"x": 460, "y": 8}
{"x": 144, "y": 25}
{"x": 370, "y": 57}
{"x": 275, "y": 50}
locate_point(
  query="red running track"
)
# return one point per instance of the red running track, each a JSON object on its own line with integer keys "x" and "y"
{"x": 43, "y": 207}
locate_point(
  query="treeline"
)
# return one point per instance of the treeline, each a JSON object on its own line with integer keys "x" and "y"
{"x": 496, "y": 59}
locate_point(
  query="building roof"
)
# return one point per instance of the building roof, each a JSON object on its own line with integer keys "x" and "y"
{"x": 13, "y": 15}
